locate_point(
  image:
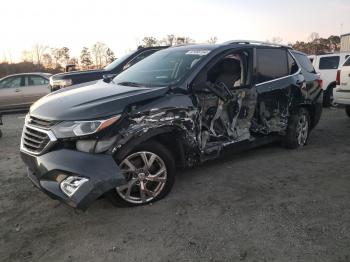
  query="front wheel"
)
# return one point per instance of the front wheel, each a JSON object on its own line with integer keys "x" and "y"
{"x": 347, "y": 110}
{"x": 298, "y": 129}
{"x": 149, "y": 171}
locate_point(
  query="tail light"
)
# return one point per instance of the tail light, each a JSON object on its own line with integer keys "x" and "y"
{"x": 338, "y": 78}
{"x": 319, "y": 81}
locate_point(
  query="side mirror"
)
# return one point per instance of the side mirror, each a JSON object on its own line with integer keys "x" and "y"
{"x": 108, "y": 77}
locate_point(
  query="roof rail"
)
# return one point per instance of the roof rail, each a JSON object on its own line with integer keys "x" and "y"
{"x": 254, "y": 42}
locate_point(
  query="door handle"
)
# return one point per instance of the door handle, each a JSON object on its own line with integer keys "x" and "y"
{"x": 17, "y": 90}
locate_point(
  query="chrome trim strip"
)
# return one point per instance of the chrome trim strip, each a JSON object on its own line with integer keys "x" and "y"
{"x": 49, "y": 133}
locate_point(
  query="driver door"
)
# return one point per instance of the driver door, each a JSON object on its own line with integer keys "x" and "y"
{"x": 227, "y": 99}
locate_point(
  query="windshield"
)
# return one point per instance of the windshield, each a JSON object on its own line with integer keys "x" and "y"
{"x": 165, "y": 67}
{"x": 116, "y": 62}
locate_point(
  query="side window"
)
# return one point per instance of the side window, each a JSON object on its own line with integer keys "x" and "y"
{"x": 231, "y": 70}
{"x": 304, "y": 62}
{"x": 37, "y": 81}
{"x": 347, "y": 62}
{"x": 329, "y": 62}
{"x": 272, "y": 64}
{"x": 140, "y": 57}
{"x": 292, "y": 65}
{"x": 12, "y": 82}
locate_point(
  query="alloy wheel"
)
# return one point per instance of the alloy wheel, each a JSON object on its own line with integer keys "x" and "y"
{"x": 146, "y": 175}
{"x": 302, "y": 130}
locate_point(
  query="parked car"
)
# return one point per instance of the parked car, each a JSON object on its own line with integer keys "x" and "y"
{"x": 327, "y": 66}
{"x": 342, "y": 91}
{"x": 177, "y": 108}
{"x": 63, "y": 80}
{"x": 21, "y": 90}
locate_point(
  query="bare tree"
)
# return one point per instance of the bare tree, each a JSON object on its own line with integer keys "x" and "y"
{"x": 313, "y": 36}
{"x": 149, "y": 41}
{"x": 212, "y": 40}
{"x": 184, "y": 40}
{"x": 38, "y": 52}
{"x": 98, "y": 50}
{"x": 47, "y": 60}
{"x": 168, "y": 40}
{"x": 65, "y": 56}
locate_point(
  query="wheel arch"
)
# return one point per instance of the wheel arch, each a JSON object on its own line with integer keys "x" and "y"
{"x": 171, "y": 137}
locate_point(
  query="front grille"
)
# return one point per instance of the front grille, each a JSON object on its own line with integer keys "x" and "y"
{"x": 40, "y": 123}
{"x": 34, "y": 140}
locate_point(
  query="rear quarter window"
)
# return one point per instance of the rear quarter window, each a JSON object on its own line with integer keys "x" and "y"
{"x": 304, "y": 62}
{"x": 329, "y": 62}
{"x": 272, "y": 64}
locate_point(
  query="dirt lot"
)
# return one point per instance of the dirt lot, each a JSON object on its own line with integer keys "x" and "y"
{"x": 269, "y": 204}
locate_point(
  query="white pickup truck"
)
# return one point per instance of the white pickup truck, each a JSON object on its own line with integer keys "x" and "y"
{"x": 326, "y": 66}
{"x": 342, "y": 91}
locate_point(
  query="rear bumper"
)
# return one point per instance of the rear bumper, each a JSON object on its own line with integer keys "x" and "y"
{"x": 49, "y": 170}
{"x": 341, "y": 96}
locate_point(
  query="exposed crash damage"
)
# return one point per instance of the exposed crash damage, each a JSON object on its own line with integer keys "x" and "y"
{"x": 224, "y": 121}
{"x": 177, "y": 108}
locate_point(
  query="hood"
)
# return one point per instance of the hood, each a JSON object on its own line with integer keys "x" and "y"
{"x": 93, "y": 101}
{"x": 78, "y": 74}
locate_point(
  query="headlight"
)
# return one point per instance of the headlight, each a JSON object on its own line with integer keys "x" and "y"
{"x": 60, "y": 82}
{"x": 69, "y": 129}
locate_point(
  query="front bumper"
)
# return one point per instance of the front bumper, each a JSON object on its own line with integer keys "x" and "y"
{"x": 49, "y": 170}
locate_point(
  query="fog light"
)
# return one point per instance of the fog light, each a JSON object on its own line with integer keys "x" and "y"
{"x": 71, "y": 184}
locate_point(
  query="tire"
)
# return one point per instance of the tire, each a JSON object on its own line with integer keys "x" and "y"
{"x": 328, "y": 96}
{"x": 298, "y": 129}
{"x": 140, "y": 176}
{"x": 347, "y": 110}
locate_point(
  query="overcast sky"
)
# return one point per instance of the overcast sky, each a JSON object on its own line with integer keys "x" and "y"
{"x": 122, "y": 23}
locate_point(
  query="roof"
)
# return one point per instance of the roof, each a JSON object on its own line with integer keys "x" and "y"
{"x": 345, "y": 34}
{"x": 30, "y": 73}
{"x": 233, "y": 43}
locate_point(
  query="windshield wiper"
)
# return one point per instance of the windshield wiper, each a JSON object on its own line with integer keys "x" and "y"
{"x": 127, "y": 83}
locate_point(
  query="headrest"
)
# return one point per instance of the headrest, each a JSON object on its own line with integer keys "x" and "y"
{"x": 230, "y": 66}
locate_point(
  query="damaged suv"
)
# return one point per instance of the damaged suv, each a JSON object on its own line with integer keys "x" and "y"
{"x": 177, "y": 108}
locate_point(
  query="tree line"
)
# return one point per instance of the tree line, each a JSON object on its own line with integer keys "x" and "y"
{"x": 53, "y": 60}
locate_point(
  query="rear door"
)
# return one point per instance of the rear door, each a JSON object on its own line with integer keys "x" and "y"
{"x": 274, "y": 85}
{"x": 11, "y": 89}
{"x": 36, "y": 87}
{"x": 345, "y": 76}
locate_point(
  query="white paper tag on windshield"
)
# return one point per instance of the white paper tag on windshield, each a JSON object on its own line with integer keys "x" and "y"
{"x": 198, "y": 52}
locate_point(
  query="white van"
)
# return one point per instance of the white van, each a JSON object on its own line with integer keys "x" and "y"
{"x": 327, "y": 66}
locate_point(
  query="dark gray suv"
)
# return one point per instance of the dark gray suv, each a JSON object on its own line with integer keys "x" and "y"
{"x": 176, "y": 108}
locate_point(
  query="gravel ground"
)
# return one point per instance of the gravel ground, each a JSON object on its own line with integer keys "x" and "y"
{"x": 267, "y": 204}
